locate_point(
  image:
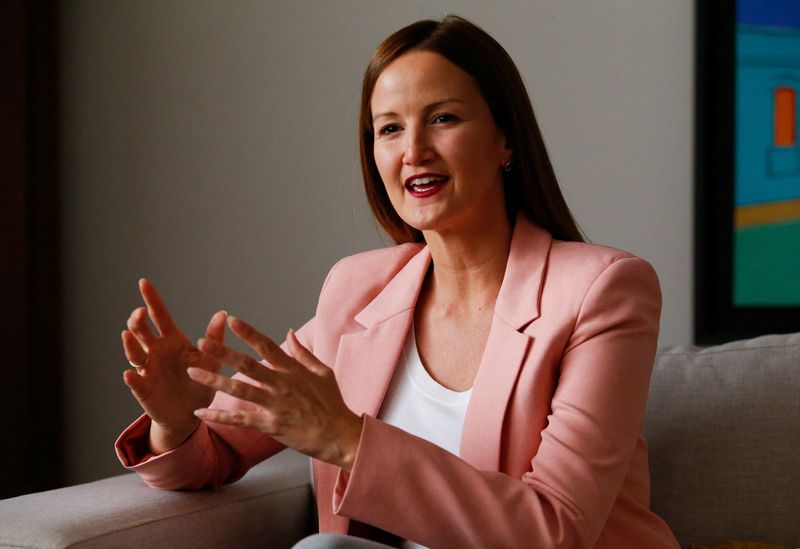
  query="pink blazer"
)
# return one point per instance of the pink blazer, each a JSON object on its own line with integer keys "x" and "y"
{"x": 552, "y": 453}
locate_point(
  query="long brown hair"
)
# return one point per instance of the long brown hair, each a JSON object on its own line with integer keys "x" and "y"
{"x": 531, "y": 188}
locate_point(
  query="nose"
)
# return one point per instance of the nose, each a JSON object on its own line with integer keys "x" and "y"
{"x": 418, "y": 148}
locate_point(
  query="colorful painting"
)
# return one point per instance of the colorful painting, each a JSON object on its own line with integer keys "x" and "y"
{"x": 747, "y": 169}
{"x": 766, "y": 240}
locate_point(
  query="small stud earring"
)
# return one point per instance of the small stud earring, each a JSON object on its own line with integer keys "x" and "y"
{"x": 507, "y": 166}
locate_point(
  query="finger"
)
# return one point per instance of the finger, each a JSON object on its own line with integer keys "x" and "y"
{"x": 236, "y": 418}
{"x": 235, "y": 388}
{"x": 304, "y": 356}
{"x": 216, "y": 326}
{"x": 157, "y": 308}
{"x": 135, "y": 383}
{"x": 137, "y": 324}
{"x": 261, "y": 344}
{"x": 134, "y": 352}
{"x": 240, "y": 361}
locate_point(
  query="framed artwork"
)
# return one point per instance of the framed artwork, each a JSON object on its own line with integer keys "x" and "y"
{"x": 747, "y": 165}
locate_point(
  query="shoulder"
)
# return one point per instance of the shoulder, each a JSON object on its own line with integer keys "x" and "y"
{"x": 585, "y": 278}
{"x": 374, "y": 268}
{"x": 585, "y": 262}
{"x": 356, "y": 280}
{"x": 566, "y": 266}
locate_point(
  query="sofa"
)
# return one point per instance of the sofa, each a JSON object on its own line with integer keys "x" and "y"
{"x": 722, "y": 423}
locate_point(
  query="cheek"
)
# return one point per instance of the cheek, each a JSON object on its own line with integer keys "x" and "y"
{"x": 480, "y": 157}
{"x": 380, "y": 162}
{"x": 387, "y": 166}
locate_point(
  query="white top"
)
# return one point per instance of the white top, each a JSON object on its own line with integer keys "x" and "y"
{"x": 418, "y": 404}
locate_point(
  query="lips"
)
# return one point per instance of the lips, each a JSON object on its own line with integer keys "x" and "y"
{"x": 425, "y": 184}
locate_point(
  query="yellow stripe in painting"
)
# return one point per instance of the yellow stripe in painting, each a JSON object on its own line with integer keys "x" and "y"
{"x": 762, "y": 214}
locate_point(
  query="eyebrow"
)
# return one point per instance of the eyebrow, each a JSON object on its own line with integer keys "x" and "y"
{"x": 429, "y": 107}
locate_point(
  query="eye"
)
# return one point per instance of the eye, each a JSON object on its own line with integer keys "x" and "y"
{"x": 388, "y": 129}
{"x": 443, "y": 118}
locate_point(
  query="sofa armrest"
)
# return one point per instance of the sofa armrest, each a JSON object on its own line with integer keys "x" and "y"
{"x": 270, "y": 507}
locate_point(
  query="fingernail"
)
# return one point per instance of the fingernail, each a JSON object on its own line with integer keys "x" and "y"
{"x": 200, "y": 413}
{"x": 194, "y": 373}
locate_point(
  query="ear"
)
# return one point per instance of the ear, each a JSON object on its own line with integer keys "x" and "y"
{"x": 508, "y": 151}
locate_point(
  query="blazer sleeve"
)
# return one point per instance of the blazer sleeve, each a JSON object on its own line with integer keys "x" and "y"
{"x": 213, "y": 455}
{"x": 421, "y": 492}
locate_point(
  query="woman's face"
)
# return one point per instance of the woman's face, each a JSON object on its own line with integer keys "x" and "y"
{"x": 437, "y": 148}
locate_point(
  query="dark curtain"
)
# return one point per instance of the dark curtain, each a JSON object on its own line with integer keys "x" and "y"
{"x": 30, "y": 414}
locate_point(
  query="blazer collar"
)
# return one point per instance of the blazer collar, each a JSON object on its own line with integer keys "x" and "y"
{"x": 400, "y": 294}
{"x": 518, "y": 301}
{"x": 366, "y": 359}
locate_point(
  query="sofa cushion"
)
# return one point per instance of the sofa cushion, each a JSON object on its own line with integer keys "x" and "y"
{"x": 723, "y": 426}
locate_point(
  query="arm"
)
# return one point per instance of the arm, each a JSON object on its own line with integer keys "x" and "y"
{"x": 417, "y": 490}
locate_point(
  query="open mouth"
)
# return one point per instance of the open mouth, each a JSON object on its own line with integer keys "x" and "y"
{"x": 425, "y": 185}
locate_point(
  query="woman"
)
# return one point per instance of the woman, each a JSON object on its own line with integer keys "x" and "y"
{"x": 491, "y": 370}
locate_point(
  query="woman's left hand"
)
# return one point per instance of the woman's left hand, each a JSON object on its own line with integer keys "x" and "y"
{"x": 299, "y": 402}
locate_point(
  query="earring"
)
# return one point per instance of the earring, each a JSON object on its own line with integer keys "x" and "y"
{"x": 507, "y": 166}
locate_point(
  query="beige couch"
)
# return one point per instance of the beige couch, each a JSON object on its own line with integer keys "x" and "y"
{"x": 723, "y": 424}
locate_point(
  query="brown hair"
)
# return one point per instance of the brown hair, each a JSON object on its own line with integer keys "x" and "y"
{"x": 531, "y": 188}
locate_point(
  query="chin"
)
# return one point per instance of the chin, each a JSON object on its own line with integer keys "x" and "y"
{"x": 433, "y": 225}
{"x": 425, "y": 222}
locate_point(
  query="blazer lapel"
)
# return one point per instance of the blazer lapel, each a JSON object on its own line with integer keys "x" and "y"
{"x": 366, "y": 359}
{"x": 516, "y": 307}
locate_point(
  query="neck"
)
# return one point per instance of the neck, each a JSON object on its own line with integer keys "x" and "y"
{"x": 468, "y": 265}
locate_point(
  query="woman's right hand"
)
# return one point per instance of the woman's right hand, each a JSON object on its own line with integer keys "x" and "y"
{"x": 160, "y": 382}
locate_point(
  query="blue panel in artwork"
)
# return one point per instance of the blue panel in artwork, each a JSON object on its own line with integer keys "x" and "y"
{"x": 768, "y": 13}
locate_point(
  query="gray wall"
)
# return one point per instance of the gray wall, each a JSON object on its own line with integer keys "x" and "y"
{"x": 210, "y": 146}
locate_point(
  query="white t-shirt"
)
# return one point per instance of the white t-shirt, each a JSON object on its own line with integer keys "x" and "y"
{"x": 418, "y": 404}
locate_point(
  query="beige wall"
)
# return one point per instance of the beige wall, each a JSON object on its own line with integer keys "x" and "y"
{"x": 210, "y": 146}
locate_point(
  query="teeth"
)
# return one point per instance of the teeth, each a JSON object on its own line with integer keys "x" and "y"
{"x": 424, "y": 181}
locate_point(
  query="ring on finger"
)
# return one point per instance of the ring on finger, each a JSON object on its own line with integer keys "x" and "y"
{"x": 137, "y": 366}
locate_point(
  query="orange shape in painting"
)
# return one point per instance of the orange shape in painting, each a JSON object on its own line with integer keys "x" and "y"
{"x": 785, "y": 117}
